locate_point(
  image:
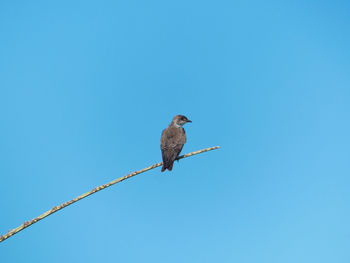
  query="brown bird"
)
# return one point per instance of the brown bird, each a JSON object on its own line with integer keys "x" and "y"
{"x": 172, "y": 140}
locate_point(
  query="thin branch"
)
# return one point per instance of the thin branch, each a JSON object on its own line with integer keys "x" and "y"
{"x": 57, "y": 208}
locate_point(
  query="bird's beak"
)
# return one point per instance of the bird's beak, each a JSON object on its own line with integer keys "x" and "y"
{"x": 189, "y": 121}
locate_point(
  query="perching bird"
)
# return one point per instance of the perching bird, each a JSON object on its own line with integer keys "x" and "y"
{"x": 172, "y": 140}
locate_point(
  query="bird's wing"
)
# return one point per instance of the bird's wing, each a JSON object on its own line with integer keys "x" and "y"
{"x": 171, "y": 145}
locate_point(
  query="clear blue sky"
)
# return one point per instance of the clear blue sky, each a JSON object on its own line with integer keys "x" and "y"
{"x": 86, "y": 88}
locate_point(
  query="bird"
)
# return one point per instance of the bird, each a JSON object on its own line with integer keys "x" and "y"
{"x": 172, "y": 140}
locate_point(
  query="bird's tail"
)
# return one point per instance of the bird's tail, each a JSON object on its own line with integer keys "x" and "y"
{"x": 169, "y": 167}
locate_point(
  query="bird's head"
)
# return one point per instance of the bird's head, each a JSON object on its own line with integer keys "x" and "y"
{"x": 180, "y": 120}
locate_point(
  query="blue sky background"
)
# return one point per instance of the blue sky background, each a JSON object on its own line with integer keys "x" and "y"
{"x": 87, "y": 86}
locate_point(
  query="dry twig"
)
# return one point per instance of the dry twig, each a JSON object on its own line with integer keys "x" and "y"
{"x": 57, "y": 208}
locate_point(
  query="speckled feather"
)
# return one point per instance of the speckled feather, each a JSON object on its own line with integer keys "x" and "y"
{"x": 172, "y": 140}
{"x": 171, "y": 144}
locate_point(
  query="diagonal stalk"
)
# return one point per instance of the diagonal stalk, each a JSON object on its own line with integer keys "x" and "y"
{"x": 57, "y": 208}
